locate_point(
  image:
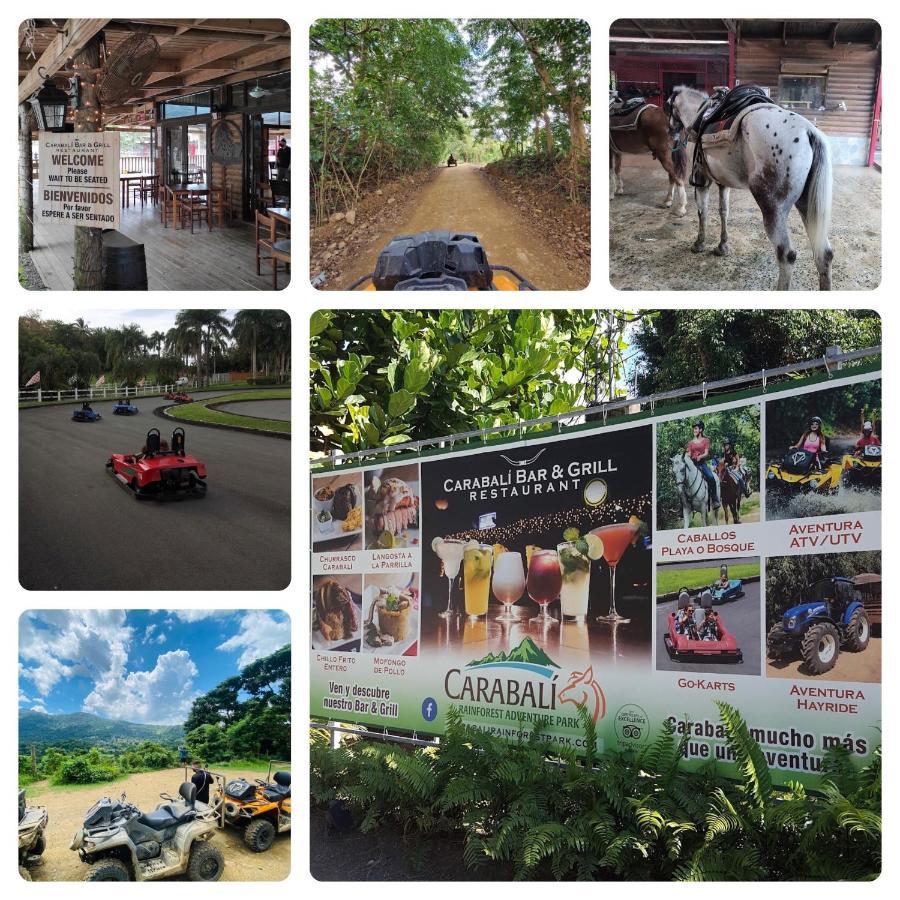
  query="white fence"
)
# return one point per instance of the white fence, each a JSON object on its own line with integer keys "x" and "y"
{"x": 106, "y": 392}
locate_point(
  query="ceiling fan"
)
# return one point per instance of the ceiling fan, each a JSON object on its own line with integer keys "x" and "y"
{"x": 256, "y": 91}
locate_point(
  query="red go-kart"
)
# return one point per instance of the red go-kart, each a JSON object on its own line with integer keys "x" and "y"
{"x": 160, "y": 472}
{"x": 690, "y": 647}
{"x": 179, "y": 397}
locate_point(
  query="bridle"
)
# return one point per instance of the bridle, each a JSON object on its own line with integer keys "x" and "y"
{"x": 681, "y": 485}
{"x": 677, "y": 131}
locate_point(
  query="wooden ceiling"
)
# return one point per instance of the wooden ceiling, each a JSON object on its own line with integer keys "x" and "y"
{"x": 195, "y": 54}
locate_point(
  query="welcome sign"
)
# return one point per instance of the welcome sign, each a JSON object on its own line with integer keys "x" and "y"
{"x": 79, "y": 178}
{"x": 636, "y": 572}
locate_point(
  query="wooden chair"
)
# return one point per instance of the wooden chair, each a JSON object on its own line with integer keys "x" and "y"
{"x": 196, "y": 207}
{"x": 148, "y": 189}
{"x": 264, "y": 194}
{"x": 166, "y": 205}
{"x": 279, "y": 248}
{"x": 218, "y": 203}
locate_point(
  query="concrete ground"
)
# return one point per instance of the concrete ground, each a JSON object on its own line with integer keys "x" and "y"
{"x": 79, "y": 530}
{"x": 650, "y": 249}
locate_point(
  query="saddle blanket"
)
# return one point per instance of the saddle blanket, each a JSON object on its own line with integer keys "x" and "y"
{"x": 623, "y": 108}
{"x": 628, "y": 121}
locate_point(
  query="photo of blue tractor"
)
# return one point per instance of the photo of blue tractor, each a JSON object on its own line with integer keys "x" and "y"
{"x": 831, "y": 618}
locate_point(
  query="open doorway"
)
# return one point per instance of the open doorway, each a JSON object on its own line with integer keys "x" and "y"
{"x": 272, "y": 136}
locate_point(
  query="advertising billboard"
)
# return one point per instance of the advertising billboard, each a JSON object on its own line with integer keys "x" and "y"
{"x": 635, "y": 571}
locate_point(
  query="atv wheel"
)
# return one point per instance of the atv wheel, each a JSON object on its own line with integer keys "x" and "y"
{"x": 39, "y": 846}
{"x": 858, "y": 631}
{"x": 206, "y": 862}
{"x": 108, "y": 870}
{"x": 259, "y": 835}
{"x": 820, "y": 648}
{"x": 24, "y": 874}
{"x": 775, "y": 641}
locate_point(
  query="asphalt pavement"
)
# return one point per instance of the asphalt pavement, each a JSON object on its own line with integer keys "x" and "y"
{"x": 79, "y": 530}
{"x": 259, "y": 409}
{"x": 741, "y": 617}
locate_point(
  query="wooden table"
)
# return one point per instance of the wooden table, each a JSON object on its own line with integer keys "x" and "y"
{"x": 281, "y": 213}
{"x": 125, "y": 181}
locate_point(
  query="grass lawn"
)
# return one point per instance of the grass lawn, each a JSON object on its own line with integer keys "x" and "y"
{"x": 669, "y": 580}
{"x": 199, "y": 411}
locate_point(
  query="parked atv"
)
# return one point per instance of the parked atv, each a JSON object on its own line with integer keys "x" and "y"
{"x": 799, "y": 472}
{"x": 32, "y": 823}
{"x": 261, "y": 809}
{"x": 830, "y": 617}
{"x": 862, "y": 467}
{"x": 121, "y": 843}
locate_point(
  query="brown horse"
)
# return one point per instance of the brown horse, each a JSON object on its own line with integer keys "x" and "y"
{"x": 650, "y": 134}
{"x": 731, "y": 492}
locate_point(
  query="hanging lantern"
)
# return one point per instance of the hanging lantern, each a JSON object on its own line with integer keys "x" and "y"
{"x": 49, "y": 105}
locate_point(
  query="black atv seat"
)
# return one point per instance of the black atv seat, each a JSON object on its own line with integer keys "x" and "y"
{"x": 622, "y": 109}
{"x": 170, "y": 814}
{"x": 720, "y": 110}
{"x": 281, "y": 789}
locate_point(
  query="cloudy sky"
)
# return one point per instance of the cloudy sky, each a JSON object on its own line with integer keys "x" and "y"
{"x": 137, "y": 665}
{"x": 149, "y": 319}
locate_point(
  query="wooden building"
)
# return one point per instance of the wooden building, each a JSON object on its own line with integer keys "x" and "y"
{"x": 826, "y": 70}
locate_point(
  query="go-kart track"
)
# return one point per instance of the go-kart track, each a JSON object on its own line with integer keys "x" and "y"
{"x": 80, "y": 530}
{"x": 741, "y": 617}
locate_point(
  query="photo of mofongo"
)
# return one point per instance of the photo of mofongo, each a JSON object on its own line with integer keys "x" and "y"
{"x": 707, "y": 469}
{"x": 823, "y": 615}
{"x": 708, "y": 616}
{"x": 154, "y": 744}
{"x": 823, "y": 452}
{"x": 777, "y": 122}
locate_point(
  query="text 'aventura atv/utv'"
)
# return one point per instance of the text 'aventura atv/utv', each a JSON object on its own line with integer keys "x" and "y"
{"x": 262, "y": 809}
{"x": 32, "y": 823}
{"x": 160, "y": 472}
{"x": 802, "y": 471}
{"x": 120, "y": 843}
{"x": 830, "y": 617}
{"x": 439, "y": 261}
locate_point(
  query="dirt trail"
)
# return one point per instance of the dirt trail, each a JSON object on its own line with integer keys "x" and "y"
{"x": 67, "y": 806}
{"x": 461, "y": 199}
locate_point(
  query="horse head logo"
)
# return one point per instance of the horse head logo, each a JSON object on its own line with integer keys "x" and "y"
{"x": 584, "y": 692}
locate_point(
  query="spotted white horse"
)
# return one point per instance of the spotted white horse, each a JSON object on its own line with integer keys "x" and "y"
{"x": 784, "y": 161}
{"x": 693, "y": 490}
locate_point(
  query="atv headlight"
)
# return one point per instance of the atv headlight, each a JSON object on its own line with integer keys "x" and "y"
{"x": 857, "y": 464}
{"x": 791, "y": 622}
{"x": 814, "y": 483}
{"x": 770, "y": 475}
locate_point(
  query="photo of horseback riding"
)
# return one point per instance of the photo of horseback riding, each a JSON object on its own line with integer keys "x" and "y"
{"x": 708, "y": 616}
{"x": 823, "y": 452}
{"x": 823, "y": 616}
{"x": 782, "y": 118}
{"x": 707, "y": 469}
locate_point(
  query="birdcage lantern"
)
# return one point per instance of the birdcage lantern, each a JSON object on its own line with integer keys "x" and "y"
{"x": 49, "y": 105}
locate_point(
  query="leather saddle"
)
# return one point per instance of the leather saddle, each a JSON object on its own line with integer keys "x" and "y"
{"x": 724, "y": 106}
{"x": 616, "y": 110}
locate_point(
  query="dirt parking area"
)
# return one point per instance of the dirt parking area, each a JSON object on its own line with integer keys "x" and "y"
{"x": 649, "y": 249}
{"x": 67, "y": 805}
{"x": 865, "y": 666}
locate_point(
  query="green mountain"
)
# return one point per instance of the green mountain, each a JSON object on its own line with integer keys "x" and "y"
{"x": 84, "y": 729}
{"x": 526, "y": 652}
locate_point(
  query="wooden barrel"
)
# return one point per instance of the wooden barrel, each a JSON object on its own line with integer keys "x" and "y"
{"x": 124, "y": 263}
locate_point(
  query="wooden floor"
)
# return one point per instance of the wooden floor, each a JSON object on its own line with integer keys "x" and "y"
{"x": 221, "y": 260}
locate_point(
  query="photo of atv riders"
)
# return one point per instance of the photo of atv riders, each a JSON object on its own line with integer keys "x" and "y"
{"x": 707, "y": 468}
{"x": 823, "y": 616}
{"x": 823, "y": 452}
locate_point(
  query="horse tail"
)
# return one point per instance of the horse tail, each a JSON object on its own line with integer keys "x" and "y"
{"x": 818, "y": 197}
{"x": 679, "y": 160}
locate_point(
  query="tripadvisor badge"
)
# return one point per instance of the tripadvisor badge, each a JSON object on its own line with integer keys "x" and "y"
{"x": 632, "y": 725}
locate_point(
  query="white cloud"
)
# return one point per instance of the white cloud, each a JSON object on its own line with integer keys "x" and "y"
{"x": 161, "y": 696}
{"x": 198, "y": 615}
{"x": 259, "y": 634}
{"x": 24, "y": 698}
{"x": 39, "y": 707}
{"x": 160, "y": 638}
{"x": 149, "y": 632}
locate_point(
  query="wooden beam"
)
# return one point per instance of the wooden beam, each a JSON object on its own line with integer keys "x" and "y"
{"x": 640, "y": 28}
{"x": 784, "y": 33}
{"x": 238, "y": 77}
{"x": 834, "y": 29}
{"x": 687, "y": 28}
{"x": 212, "y": 53}
{"x": 75, "y": 34}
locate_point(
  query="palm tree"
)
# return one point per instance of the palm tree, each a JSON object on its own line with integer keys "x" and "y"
{"x": 248, "y": 325}
{"x": 124, "y": 345}
{"x": 189, "y": 335}
{"x": 156, "y": 341}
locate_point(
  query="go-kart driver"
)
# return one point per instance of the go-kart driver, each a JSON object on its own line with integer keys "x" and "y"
{"x": 699, "y": 449}
{"x": 813, "y": 441}
{"x": 684, "y": 620}
{"x": 868, "y": 438}
{"x": 709, "y": 629}
{"x": 724, "y": 580}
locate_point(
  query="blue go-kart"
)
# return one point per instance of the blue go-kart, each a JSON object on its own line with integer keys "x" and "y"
{"x": 125, "y": 408}
{"x": 831, "y": 618}
{"x": 86, "y": 414}
{"x": 721, "y": 593}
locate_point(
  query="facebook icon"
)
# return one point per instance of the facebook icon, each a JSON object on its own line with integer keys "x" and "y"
{"x": 429, "y": 709}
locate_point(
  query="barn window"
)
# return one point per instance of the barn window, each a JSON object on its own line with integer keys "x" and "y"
{"x": 802, "y": 90}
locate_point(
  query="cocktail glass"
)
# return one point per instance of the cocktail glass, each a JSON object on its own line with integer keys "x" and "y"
{"x": 477, "y": 562}
{"x": 575, "y": 568}
{"x": 509, "y": 583}
{"x": 616, "y": 539}
{"x": 450, "y": 552}
{"x": 544, "y": 583}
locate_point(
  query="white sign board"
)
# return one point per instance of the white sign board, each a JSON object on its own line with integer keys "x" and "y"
{"x": 79, "y": 178}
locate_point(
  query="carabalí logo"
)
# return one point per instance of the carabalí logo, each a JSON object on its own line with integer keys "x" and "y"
{"x": 584, "y": 692}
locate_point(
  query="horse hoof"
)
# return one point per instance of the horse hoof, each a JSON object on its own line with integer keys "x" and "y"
{"x": 722, "y": 250}
{"x": 663, "y": 205}
{"x": 697, "y": 247}
{"x": 679, "y": 213}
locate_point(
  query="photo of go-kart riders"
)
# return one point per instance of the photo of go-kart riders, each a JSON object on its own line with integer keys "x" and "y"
{"x": 337, "y": 512}
{"x": 337, "y": 612}
{"x": 154, "y": 744}
{"x": 707, "y": 469}
{"x": 823, "y": 452}
{"x": 823, "y": 615}
{"x": 392, "y": 507}
{"x": 549, "y": 543}
{"x": 708, "y": 616}
{"x": 391, "y": 614}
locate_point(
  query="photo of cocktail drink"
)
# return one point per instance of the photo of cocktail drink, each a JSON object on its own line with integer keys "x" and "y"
{"x": 616, "y": 539}
{"x": 543, "y": 583}
{"x": 575, "y": 569}
{"x": 508, "y": 583}
{"x": 477, "y": 562}
{"x": 450, "y": 552}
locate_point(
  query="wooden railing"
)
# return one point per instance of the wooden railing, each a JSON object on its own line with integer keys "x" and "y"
{"x": 138, "y": 165}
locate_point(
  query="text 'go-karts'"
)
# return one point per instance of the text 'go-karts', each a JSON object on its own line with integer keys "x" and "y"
{"x": 125, "y": 408}
{"x": 261, "y": 810}
{"x": 86, "y": 414}
{"x": 830, "y": 617}
{"x": 862, "y": 468}
{"x": 121, "y": 843}
{"x": 700, "y": 635}
{"x": 439, "y": 261}
{"x": 803, "y": 471}
{"x": 179, "y": 397}
{"x": 159, "y": 471}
